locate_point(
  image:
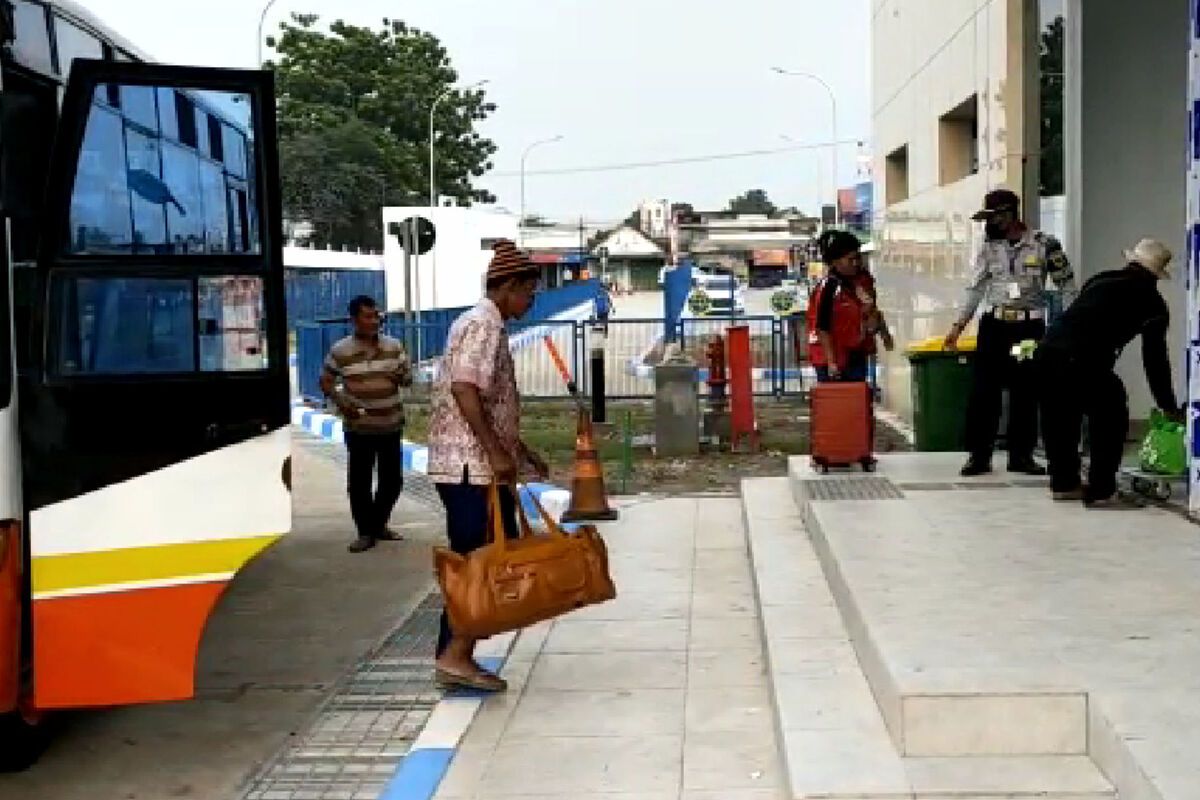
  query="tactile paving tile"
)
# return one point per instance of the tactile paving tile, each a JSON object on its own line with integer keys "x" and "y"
{"x": 364, "y": 730}
{"x": 864, "y": 488}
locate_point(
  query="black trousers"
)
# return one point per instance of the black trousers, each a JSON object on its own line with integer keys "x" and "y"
{"x": 371, "y": 505}
{"x": 996, "y": 369}
{"x": 468, "y": 525}
{"x": 1072, "y": 392}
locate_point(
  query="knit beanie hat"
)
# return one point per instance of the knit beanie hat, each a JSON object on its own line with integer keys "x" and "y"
{"x": 509, "y": 262}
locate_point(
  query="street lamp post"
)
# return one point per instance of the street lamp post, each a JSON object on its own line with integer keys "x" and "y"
{"x": 837, "y": 211}
{"x": 524, "y": 157}
{"x": 262, "y": 21}
{"x": 820, "y": 174}
{"x": 433, "y": 168}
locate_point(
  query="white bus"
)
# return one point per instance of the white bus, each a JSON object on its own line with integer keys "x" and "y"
{"x": 144, "y": 445}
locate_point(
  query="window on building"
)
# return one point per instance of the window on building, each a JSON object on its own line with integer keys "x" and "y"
{"x": 31, "y": 36}
{"x": 72, "y": 43}
{"x": 958, "y": 141}
{"x": 896, "y": 177}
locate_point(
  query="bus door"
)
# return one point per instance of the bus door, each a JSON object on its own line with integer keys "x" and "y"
{"x": 28, "y": 117}
{"x": 154, "y": 420}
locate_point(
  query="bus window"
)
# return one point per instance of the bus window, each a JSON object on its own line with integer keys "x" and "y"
{"x": 137, "y": 103}
{"x": 148, "y": 326}
{"x": 181, "y": 172}
{"x": 100, "y": 220}
{"x": 232, "y": 324}
{"x": 29, "y": 115}
{"x": 31, "y": 29}
{"x": 124, "y": 326}
{"x": 72, "y": 43}
{"x": 165, "y": 173}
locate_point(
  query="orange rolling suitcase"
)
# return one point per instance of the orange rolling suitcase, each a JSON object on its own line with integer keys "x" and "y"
{"x": 842, "y": 426}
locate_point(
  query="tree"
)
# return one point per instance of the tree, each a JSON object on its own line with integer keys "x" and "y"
{"x": 353, "y": 124}
{"x": 754, "y": 201}
{"x": 1051, "y": 62}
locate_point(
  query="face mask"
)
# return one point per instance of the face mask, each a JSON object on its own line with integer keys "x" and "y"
{"x": 994, "y": 230}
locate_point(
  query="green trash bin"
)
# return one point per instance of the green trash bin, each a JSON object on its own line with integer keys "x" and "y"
{"x": 941, "y": 385}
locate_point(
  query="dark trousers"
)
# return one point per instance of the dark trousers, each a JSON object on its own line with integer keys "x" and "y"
{"x": 1072, "y": 392}
{"x": 371, "y": 505}
{"x": 996, "y": 369}
{"x": 468, "y": 526}
{"x": 858, "y": 368}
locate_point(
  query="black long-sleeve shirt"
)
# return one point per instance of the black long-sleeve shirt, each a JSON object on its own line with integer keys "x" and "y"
{"x": 1111, "y": 310}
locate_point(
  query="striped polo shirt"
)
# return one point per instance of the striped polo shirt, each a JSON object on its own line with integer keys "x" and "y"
{"x": 370, "y": 375}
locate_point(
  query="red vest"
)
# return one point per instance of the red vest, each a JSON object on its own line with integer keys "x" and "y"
{"x": 847, "y": 329}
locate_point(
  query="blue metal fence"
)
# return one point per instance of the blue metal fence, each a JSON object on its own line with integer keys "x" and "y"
{"x": 316, "y": 294}
{"x": 427, "y": 339}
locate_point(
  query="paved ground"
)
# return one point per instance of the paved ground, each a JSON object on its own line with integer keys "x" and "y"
{"x": 660, "y": 695}
{"x": 985, "y": 603}
{"x": 293, "y": 624}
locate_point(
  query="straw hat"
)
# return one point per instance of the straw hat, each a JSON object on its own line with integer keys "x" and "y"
{"x": 1151, "y": 254}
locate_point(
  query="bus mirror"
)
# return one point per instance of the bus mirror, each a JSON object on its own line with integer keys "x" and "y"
{"x": 19, "y": 194}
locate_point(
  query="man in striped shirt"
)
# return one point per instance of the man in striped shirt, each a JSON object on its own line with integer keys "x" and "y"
{"x": 362, "y": 376}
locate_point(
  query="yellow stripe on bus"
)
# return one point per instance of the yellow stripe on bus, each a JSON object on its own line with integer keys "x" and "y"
{"x": 160, "y": 562}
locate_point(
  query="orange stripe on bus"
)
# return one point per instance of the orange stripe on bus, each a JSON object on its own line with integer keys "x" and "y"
{"x": 121, "y": 648}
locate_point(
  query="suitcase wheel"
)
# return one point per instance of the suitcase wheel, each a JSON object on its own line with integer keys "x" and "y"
{"x": 869, "y": 464}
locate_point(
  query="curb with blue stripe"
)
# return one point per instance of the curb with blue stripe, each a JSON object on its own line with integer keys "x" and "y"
{"x": 425, "y": 765}
{"x": 422, "y": 769}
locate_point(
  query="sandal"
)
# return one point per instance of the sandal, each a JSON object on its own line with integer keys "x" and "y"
{"x": 481, "y": 681}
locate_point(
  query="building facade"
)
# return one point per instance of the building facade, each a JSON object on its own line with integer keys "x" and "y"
{"x": 1082, "y": 107}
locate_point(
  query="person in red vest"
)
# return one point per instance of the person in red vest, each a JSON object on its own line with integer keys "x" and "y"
{"x": 843, "y": 320}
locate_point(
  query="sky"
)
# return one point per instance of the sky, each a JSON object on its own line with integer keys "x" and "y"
{"x": 620, "y": 80}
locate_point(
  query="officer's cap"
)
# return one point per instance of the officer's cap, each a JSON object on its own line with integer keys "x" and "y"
{"x": 996, "y": 202}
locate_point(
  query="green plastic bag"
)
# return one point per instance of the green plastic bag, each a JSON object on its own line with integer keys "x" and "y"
{"x": 1164, "y": 450}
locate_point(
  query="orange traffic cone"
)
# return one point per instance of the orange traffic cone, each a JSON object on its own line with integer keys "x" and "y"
{"x": 589, "y": 502}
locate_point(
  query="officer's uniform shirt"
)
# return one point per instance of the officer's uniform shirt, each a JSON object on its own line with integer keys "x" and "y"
{"x": 1013, "y": 276}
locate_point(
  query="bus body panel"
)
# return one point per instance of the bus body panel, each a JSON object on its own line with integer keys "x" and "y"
{"x": 124, "y": 578}
{"x": 12, "y": 600}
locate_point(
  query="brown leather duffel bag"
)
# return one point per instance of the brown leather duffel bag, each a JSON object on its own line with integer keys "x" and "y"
{"x": 510, "y": 584}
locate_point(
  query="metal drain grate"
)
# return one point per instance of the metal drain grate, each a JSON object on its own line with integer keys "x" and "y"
{"x": 352, "y": 747}
{"x": 866, "y": 488}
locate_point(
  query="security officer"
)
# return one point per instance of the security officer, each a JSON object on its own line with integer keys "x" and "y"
{"x": 1009, "y": 281}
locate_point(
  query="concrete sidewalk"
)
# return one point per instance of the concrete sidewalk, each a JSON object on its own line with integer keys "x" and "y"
{"x": 659, "y": 695}
{"x": 989, "y": 641}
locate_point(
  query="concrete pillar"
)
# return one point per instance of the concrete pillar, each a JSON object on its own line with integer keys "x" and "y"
{"x": 1132, "y": 145}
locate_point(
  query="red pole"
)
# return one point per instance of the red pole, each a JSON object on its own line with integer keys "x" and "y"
{"x": 741, "y": 386}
